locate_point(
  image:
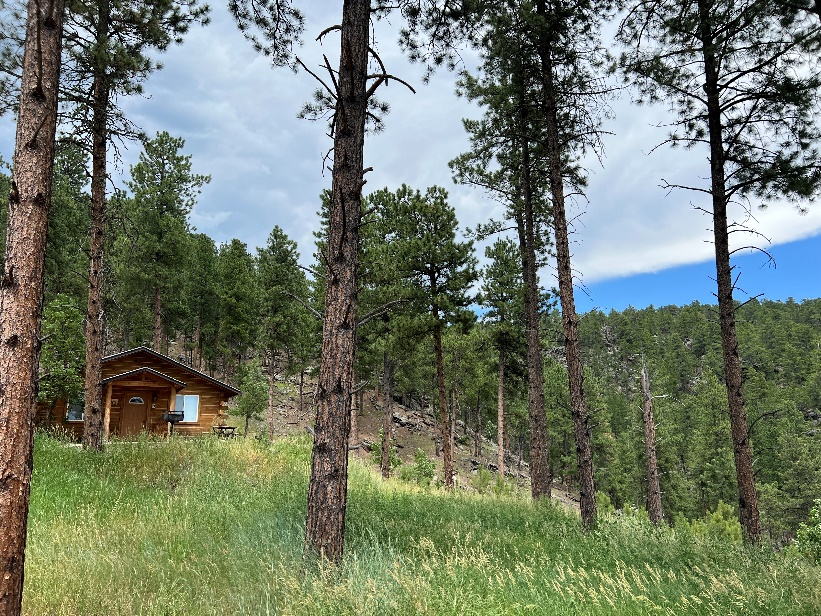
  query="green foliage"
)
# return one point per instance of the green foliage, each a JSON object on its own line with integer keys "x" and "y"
{"x": 422, "y": 242}
{"x": 286, "y": 331}
{"x": 273, "y": 28}
{"x": 766, "y": 82}
{"x": 238, "y": 294}
{"x": 67, "y": 240}
{"x": 376, "y": 452}
{"x": 253, "y": 401}
{"x": 604, "y": 504}
{"x": 720, "y": 524}
{"x": 109, "y": 51}
{"x": 151, "y": 248}
{"x": 485, "y": 482}
{"x": 808, "y": 536}
{"x": 681, "y": 346}
{"x": 62, "y": 358}
{"x": 422, "y": 471}
{"x": 482, "y": 480}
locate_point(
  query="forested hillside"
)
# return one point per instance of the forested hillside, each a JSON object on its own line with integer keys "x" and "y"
{"x": 221, "y": 307}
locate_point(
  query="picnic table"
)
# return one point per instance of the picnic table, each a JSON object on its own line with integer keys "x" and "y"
{"x": 224, "y": 431}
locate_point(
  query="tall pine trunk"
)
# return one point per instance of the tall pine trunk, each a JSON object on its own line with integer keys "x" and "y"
{"x": 93, "y": 422}
{"x": 196, "y": 352}
{"x": 654, "y": 509}
{"x": 742, "y": 452}
{"x": 157, "y": 333}
{"x": 327, "y": 490}
{"x": 540, "y": 472}
{"x": 272, "y": 381}
{"x": 21, "y": 287}
{"x": 575, "y": 374}
{"x": 500, "y": 414}
{"x": 387, "y": 414}
{"x": 444, "y": 419}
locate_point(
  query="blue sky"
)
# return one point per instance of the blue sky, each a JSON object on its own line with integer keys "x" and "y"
{"x": 794, "y": 273}
{"x": 633, "y": 242}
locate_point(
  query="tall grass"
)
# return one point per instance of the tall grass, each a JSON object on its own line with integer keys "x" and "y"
{"x": 214, "y": 527}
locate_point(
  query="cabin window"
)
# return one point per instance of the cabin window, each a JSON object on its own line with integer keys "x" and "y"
{"x": 189, "y": 406}
{"x": 136, "y": 400}
{"x": 75, "y": 411}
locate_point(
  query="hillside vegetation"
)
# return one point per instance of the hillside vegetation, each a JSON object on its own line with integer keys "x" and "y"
{"x": 206, "y": 526}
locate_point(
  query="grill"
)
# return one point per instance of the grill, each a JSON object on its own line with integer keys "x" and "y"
{"x": 172, "y": 418}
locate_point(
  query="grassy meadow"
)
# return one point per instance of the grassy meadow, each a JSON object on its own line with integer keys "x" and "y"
{"x": 203, "y": 526}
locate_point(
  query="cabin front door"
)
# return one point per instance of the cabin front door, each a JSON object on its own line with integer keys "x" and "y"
{"x": 135, "y": 414}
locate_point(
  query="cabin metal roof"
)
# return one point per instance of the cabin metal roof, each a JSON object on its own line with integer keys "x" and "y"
{"x": 156, "y": 373}
{"x": 143, "y": 349}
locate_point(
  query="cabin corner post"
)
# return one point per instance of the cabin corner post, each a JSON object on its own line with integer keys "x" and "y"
{"x": 107, "y": 417}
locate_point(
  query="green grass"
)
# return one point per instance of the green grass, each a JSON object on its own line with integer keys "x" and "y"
{"x": 216, "y": 527}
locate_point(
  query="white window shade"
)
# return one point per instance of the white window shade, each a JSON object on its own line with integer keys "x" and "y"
{"x": 189, "y": 406}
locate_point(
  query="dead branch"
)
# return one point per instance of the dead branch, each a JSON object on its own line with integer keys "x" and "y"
{"x": 330, "y": 72}
{"x": 760, "y": 417}
{"x": 378, "y": 312}
{"x": 333, "y": 93}
{"x": 384, "y": 78}
{"x": 311, "y": 271}
{"x": 328, "y": 31}
{"x": 740, "y": 306}
{"x": 309, "y": 308}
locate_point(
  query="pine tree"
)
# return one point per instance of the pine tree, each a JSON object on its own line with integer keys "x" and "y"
{"x": 503, "y": 294}
{"x": 164, "y": 192}
{"x": 274, "y": 27}
{"x": 743, "y": 79}
{"x": 441, "y": 270}
{"x": 21, "y": 289}
{"x": 285, "y": 319}
{"x": 239, "y": 298}
{"x": 509, "y": 135}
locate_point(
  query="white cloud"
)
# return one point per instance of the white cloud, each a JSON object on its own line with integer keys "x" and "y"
{"x": 238, "y": 116}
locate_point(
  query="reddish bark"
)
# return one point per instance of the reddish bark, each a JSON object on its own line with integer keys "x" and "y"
{"x": 93, "y": 422}
{"x": 327, "y": 490}
{"x": 575, "y": 374}
{"x": 742, "y": 452}
{"x": 500, "y": 415}
{"x": 21, "y": 287}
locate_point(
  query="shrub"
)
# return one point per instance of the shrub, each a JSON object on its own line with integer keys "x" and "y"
{"x": 482, "y": 480}
{"x": 604, "y": 504}
{"x": 719, "y": 524}
{"x": 421, "y": 471}
{"x": 808, "y": 536}
{"x": 376, "y": 453}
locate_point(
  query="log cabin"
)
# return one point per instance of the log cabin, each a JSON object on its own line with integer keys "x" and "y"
{"x": 139, "y": 387}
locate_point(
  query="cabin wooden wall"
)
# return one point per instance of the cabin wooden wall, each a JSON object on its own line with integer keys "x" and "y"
{"x": 58, "y": 418}
{"x": 212, "y": 406}
{"x": 211, "y": 397}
